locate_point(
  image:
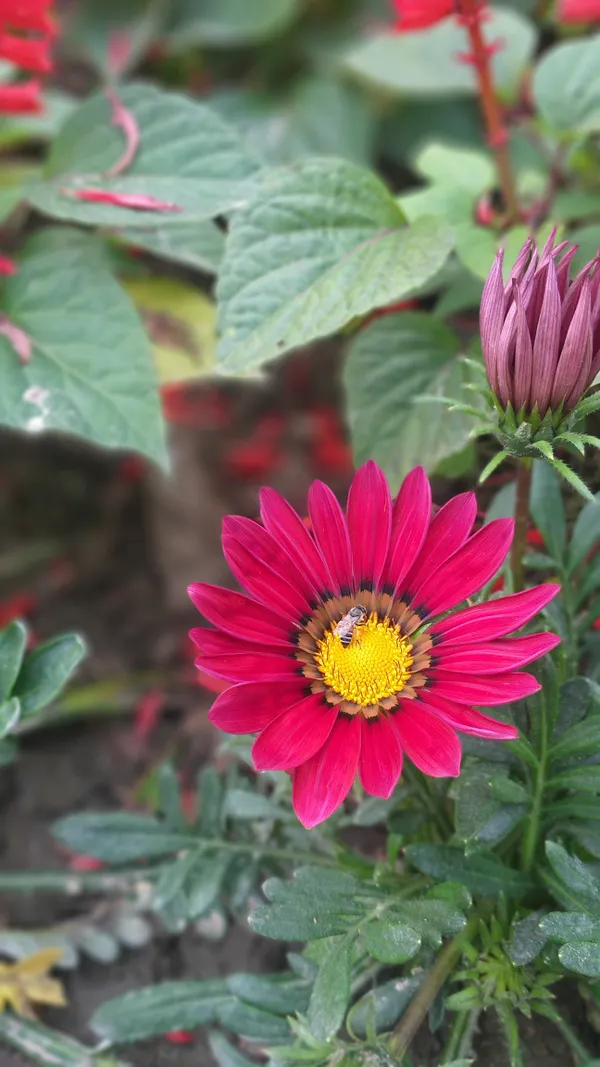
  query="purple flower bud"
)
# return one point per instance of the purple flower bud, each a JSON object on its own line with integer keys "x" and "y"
{"x": 540, "y": 331}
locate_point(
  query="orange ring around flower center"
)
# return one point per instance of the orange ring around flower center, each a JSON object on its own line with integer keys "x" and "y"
{"x": 375, "y": 665}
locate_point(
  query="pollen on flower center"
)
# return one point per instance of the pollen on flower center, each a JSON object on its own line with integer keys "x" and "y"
{"x": 375, "y": 665}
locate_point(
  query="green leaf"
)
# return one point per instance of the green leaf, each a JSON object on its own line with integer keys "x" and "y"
{"x": 187, "y": 156}
{"x": 320, "y": 243}
{"x": 10, "y": 713}
{"x": 461, "y": 168}
{"x": 424, "y": 63}
{"x": 227, "y": 23}
{"x": 331, "y": 991}
{"x": 158, "y": 1009}
{"x": 390, "y": 364}
{"x": 119, "y": 836}
{"x": 47, "y": 1047}
{"x": 252, "y": 1023}
{"x": 381, "y": 1008}
{"x": 61, "y": 387}
{"x": 197, "y": 244}
{"x": 316, "y": 903}
{"x": 547, "y": 508}
{"x": 205, "y": 881}
{"x": 283, "y": 994}
{"x": 566, "y": 86}
{"x": 574, "y": 701}
{"x": 483, "y": 817}
{"x": 582, "y": 885}
{"x": 584, "y": 779}
{"x": 483, "y": 875}
{"x": 94, "y": 25}
{"x": 569, "y": 926}
{"x": 244, "y": 804}
{"x": 46, "y": 670}
{"x": 586, "y": 532}
{"x": 390, "y": 941}
{"x": 578, "y": 741}
{"x": 528, "y": 938}
{"x": 13, "y": 641}
{"x": 583, "y": 957}
{"x": 225, "y": 1053}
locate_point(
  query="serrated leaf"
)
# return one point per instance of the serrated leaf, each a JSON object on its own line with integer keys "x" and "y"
{"x": 390, "y": 364}
{"x": 61, "y": 387}
{"x": 227, "y": 23}
{"x": 180, "y": 322}
{"x": 482, "y": 875}
{"x": 391, "y": 941}
{"x": 547, "y": 508}
{"x": 320, "y": 243}
{"x": 316, "y": 903}
{"x": 331, "y": 991}
{"x": 46, "y": 670}
{"x": 13, "y": 641}
{"x": 119, "y": 836}
{"x": 566, "y": 86}
{"x": 187, "y": 156}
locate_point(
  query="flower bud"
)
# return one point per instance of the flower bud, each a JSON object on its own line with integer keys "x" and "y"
{"x": 540, "y": 332}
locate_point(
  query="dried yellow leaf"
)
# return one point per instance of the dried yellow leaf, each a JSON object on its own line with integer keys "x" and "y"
{"x": 27, "y": 982}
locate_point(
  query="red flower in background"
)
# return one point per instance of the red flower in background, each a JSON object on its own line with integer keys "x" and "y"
{"x": 26, "y": 32}
{"x": 338, "y": 657}
{"x": 578, "y": 11}
{"x": 419, "y": 14}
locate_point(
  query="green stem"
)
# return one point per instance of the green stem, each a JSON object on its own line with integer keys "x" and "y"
{"x": 460, "y": 1036}
{"x": 581, "y": 1053}
{"x": 424, "y": 998}
{"x": 532, "y": 826}
{"x": 508, "y": 1023}
{"x": 524, "y": 469}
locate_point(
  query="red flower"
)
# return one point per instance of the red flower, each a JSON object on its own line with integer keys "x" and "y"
{"x": 22, "y": 99}
{"x": 32, "y": 15}
{"x": 338, "y": 657}
{"x": 534, "y": 539}
{"x": 31, "y": 53}
{"x": 28, "y": 52}
{"x": 419, "y": 14}
{"x": 578, "y": 11}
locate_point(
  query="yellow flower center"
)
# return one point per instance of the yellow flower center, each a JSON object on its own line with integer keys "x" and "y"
{"x": 374, "y": 665}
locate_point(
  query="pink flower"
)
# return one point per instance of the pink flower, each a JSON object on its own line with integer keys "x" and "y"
{"x": 339, "y": 657}
{"x": 578, "y": 11}
{"x": 419, "y": 14}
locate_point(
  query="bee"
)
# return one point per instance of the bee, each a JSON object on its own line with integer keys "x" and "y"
{"x": 346, "y": 626}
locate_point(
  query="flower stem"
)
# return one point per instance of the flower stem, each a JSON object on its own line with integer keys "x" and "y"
{"x": 424, "y": 998}
{"x": 532, "y": 825}
{"x": 521, "y": 518}
{"x": 471, "y": 14}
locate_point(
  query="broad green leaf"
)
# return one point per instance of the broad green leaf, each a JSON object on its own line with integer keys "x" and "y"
{"x": 321, "y": 243}
{"x": 180, "y": 321}
{"x": 588, "y": 240}
{"x": 158, "y": 1009}
{"x": 227, "y": 23}
{"x": 187, "y": 156}
{"x": 46, "y": 1047}
{"x": 381, "y": 1008}
{"x": 197, "y": 244}
{"x": 574, "y": 204}
{"x": 119, "y": 836}
{"x": 583, "y": 957}
{"x": 424, "y": 63}
{"x": 483, "y": 875}
{"x": 13, "y": 641}
{"x": 476, "y": 246}
{"x": 390, "y": 364}
{"x": 91, "y": 369}
{"x": 566, "y": 86}
{"x": 414, "y": 124}
{"x": 390, "y": 941}
{"x": 10, "y": 713}
{"x": 331, "y": 991}
{"x": 462, "y": 168}
{"x": 547, "y": 508}
{"x": 319, "y": 115}
{"x": 46, "y": 670}
{"x": 586, "y": 532}
{"x": 316, "y": 903}
{"x": 95, "y": 26}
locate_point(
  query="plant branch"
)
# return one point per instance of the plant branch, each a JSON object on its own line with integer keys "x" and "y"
{"x": 532, "y": 826}
{"x": 524, "y": 469}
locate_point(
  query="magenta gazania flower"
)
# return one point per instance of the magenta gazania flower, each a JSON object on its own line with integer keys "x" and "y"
{"x": 346, "y": 653}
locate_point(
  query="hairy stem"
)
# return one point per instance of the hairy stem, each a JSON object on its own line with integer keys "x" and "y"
{"x": 471, "y": 14}
{"x": 521, "y": 518}
{"x": 421, "y": 1003}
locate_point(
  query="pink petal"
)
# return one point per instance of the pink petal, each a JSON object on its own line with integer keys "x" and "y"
{"x": 330, "y": 529}
{"x": 239, "y": 615}
{"x": 324, "y": 781}
{"x": 448, "y": 530}
{"x": 410, "y": 520}
{"x": 428, "y": 741}
{"x": 262, "y": 582}
{"x": 467, "y": 570}
{"x": 134, "y": 201}
{"x": 246, "y": 708}
{"x": 494, "y": 657}
{"x": 470, "y": 721}
{"x": 288, "y": 529}
{"x": 485, "y": 691}
{"x": 495, "y": 618}
{"x": 271, "y": 553}
{"x": 380, "y": 763}
{"x": 369, "y": 514}
{"x": 249, "y": 667}
{"x": 295, "y": 735}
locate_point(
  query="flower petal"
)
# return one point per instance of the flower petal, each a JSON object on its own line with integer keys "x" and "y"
{"x": 467, "y": 570}
{"x": 494, "y": 657}
{"x": 286, "y": 526}
{"x": 427, "y": 740}
{"x": 330, "y": 529}
{"x": 495, "y": 618}
{"x": 369, "y": 514}
{"x": 215, "y": 643}
{"x": 238, "y": 615}
{"x": 470, "y": 721}
{"x": 251, "y": 706}
{"x": 448, "y": 530}
{"x": 324, "y": 781}
{"x": 380, "y": 763}
{"x": 295, "y": 735}
{"x": 262, "y": 582}
{"x": 410, "y": 520}
{"x": 250, "y": 666}
{"x": 268, "y": 551}
{"x": 485, "y": 691}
